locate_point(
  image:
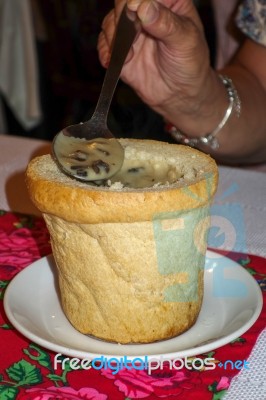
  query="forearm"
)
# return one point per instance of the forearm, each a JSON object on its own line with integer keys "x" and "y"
{"x": 243, "y": 138}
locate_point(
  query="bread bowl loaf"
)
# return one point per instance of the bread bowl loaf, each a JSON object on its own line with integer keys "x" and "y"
{"x": 130, "y": 254}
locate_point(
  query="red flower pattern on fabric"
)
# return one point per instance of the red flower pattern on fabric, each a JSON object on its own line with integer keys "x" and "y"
{"x": 223, "y": 383}
{"x": 138, "y": 384}
{"x": 62, "y": 393}
{"x": 18, "y": 249}
{"x": 21, "y": 247}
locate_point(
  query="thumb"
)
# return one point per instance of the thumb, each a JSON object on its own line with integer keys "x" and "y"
{"x": 165, "y": 24}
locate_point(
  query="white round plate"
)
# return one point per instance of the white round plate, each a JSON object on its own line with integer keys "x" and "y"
{"x": 232, "y": 303}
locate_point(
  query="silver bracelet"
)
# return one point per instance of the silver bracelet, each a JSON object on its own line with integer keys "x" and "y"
{"x": 210, "y": 138}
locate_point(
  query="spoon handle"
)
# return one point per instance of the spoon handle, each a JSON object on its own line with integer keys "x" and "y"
{"x": 124, "y": 37}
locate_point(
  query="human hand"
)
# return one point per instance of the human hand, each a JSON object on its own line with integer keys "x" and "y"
{"x": 169, "y": 64}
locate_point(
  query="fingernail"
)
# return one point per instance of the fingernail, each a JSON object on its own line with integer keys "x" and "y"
{"x": 133, "y": 4}
{"x": 150, "y": 13}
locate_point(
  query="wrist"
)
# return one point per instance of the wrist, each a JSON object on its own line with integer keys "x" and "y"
{"x": 199, "y": 113}
{"x": 210, "y": 139}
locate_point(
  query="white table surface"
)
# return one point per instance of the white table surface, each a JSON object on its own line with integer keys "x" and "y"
{"x": 238, "y": 217}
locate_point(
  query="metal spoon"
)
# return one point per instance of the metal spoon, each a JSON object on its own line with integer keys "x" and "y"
{"x": 88, "y": 151}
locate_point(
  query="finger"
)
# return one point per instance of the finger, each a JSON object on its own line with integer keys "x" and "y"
{"x": 161, "y": 23}
{"x": 119, "y": 5}
{"x": 180, "y": 7}
{"x": 110, "y": 22}
{"x": 103, "y": 50}
{"x": 108, "y": 27}
{"x": 105, "y": 38}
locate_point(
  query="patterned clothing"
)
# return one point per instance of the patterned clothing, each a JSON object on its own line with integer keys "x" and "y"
{"x": 251, "y": 19}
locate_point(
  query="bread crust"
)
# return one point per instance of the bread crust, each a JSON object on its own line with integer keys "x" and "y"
{"x": 114, "y": 287}
{"x": 125, "y": 272}
{"x": 82, "y": 203}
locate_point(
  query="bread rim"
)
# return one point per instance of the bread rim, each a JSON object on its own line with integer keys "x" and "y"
{"x": 81, "y": 203}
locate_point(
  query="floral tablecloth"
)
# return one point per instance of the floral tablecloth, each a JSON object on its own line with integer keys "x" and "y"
{"x": 27, "y": 372}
